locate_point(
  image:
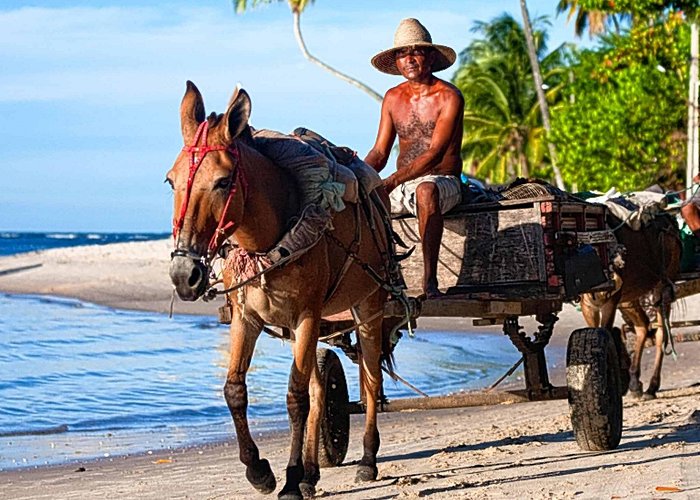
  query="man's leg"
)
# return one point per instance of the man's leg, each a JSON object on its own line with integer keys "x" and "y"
{"x": 430, "y": 227}
{"x": 691, "y": 215}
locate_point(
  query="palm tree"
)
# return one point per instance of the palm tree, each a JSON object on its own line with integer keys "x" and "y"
{"x": 297, "y": 7}
{"x": 503, "y": 132}
{"x": 541, "y": 99}
{"x": 593, "y": 20}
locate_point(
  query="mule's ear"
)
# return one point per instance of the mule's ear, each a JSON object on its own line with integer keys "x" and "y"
{"x": 237, "y": 114}
{"x": 191, "y": 112}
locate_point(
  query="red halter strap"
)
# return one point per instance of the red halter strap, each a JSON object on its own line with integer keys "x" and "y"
{"x": 197, "y": 151}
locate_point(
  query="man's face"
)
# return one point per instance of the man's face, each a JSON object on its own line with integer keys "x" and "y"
{"x": 415, "y": 63}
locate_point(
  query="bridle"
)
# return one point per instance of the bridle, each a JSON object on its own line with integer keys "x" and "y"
{"x": 197, "y": 151}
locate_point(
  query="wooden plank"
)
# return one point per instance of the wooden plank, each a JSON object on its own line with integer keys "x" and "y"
{"x": 687, "y": 288}
{"x": 503, "y": 247}
{"x": 467, "y": 399}
{"x": 461, "y": 307}
{"x": 485, "y": 248}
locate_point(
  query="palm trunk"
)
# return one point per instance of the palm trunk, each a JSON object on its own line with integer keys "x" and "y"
{"x": 333, "y": 71}
{"x": 544, "y": 108}
{"x": 692, "y": 165}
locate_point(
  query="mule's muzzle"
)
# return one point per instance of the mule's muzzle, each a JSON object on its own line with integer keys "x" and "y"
{"x": 188, "y": 274}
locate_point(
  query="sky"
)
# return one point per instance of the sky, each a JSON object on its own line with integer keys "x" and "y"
{"x": 90, "y": 90}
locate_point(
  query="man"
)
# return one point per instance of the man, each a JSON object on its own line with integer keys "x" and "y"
{"x": 691, "y": 209}
{"x": 426, "y": 113}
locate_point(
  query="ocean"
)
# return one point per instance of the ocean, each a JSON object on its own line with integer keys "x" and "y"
{"x": 80, "y": 381}
{"x": 12, "y": 242}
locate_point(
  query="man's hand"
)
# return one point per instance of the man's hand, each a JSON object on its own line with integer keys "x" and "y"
{"x": 390, "y": 184}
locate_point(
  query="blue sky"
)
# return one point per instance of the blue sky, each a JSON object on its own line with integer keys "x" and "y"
{"x": 90, "y": 91}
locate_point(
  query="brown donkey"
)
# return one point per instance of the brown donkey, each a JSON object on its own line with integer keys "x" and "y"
{"x": 239, "y": 193}
{"x": 651, "y": 261}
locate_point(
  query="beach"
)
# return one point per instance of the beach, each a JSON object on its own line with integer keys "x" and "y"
{"x": 506, "y": 451}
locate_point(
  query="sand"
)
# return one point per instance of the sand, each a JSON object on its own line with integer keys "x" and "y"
{"x": 506, "y": 451}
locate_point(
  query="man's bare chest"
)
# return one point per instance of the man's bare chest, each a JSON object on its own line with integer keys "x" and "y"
{"x": 412, "y": 126}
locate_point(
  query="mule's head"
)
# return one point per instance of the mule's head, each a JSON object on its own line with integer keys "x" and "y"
{"x": 208, "y": 188}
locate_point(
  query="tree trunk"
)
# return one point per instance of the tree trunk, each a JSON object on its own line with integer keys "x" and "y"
{"x": 333, "y": 71}
{"x": 544, "y": 108}
{"x": 692, "y": 165}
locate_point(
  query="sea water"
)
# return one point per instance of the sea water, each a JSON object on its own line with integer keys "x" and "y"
{"x": 80, "y": 381}
{"x": 12, "y": 242}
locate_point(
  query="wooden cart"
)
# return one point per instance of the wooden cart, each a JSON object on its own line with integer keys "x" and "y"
{"x": 502, "y": 261}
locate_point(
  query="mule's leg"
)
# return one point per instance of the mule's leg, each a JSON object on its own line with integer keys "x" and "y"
{"x": 298, "y": 402}
{"x": 607, "y": 320}
{"x": 370, "y": 335}
{"x": 635, "y": 314}
{"x": 312, "y": 473}
{"x": 590, "y": 311}
{"x": 655, "y": 381}
{"x": 244, "y": 334}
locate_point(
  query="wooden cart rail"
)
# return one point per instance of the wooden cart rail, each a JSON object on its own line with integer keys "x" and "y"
{"x": 462, "y": 400}
{"x": 687, "y": 284}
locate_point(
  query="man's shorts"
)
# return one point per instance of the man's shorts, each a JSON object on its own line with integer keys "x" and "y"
{"x": 403, "y": 198}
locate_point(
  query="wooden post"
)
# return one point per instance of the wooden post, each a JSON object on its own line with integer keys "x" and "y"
{"x": 693, "y": 149}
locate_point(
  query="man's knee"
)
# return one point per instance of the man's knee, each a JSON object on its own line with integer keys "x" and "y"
{"x": 428, "y": 197}
{"x": 691, "y": 215}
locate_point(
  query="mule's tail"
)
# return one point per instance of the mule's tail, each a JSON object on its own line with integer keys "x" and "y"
{"x": 391, "y": 334}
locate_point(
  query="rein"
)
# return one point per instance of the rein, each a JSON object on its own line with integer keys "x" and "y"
{"x": 197, "y": 151}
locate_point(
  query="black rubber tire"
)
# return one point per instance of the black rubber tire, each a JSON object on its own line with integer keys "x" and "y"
{"x": 335, "y": 424}
{"x": 595, "y": 395}
{"x": 624, "y": 356}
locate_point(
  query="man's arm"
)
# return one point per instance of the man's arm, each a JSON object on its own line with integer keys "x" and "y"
{"x": 379, "y": 154}
{"x": 449, "y": 118}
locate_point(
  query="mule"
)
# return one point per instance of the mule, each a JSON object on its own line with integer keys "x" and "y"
{"x": 651, "y": 261}
{"x": 224, "y": 188}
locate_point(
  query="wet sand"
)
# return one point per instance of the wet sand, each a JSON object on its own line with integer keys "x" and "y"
{"x": 515, "y": 451}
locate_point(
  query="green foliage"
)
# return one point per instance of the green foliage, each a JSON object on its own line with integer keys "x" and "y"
{"x": 641, "y": 7}
{"x": 624, "y": 122}
{"x": 503, "y": 134}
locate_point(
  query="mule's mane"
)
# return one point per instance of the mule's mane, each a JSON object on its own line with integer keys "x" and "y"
{"x": 214, "y": 118}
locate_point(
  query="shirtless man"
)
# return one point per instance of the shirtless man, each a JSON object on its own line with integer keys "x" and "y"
{"x": 691, "y": 210}
{"x": 426, "y": 113}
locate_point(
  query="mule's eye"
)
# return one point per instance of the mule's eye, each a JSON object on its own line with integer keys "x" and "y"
{"x": 224, "y": 183}
{"x": 169, "y": 181}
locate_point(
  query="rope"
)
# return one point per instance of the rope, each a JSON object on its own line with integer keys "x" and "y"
{"x": 213, "y": 292}
{"x": 688, "y": 199}
{"x": 505, "y": 375}
{"x": 405, "y": 382}
{"x": 340, "y": 333}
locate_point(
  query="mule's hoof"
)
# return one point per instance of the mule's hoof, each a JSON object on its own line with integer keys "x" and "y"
{"x": 648, "y": 396}
{"x": 636, "y": 389}
{"x": 290, "y": 494}
{"x": 312, "y": 475}
{"x": 635, "y": 394}
{"x": 261, "y": 477}
{"x": 366, "y": 473}
{"x": 308, "y": 490}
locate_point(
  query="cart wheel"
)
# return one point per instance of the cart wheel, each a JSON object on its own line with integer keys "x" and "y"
{"x": 335, "y": 424}
{"x": 595, "y": 396}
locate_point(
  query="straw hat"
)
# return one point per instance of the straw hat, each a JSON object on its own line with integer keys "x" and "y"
{"x": 411, "y": 33}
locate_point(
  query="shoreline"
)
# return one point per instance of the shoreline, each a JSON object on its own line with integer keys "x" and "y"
{"x": 526, "y": 451}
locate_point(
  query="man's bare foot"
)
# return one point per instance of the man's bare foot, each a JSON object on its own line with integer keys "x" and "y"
{"x": 432, "y": 292}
